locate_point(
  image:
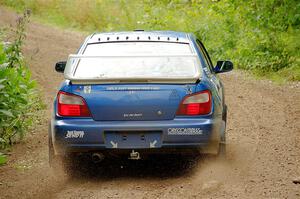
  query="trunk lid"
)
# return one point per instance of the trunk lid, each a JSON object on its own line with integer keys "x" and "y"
{"x": 135, "y": 101}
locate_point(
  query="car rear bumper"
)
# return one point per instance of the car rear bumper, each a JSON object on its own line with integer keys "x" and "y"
{"x": 181, "y": 133}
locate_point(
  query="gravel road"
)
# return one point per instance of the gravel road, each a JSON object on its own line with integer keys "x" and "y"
{"x": 263, "y": 142}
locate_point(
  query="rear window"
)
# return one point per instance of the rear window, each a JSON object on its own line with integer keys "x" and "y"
{"x": 136, "y": 60}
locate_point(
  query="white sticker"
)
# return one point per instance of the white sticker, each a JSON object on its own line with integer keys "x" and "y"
{"x": 132, "y": 115}
{"x": 114, "y": 145}
{"x": 87, "y": 89}
{"x": 184, "y": 131}
{"x": 152, "y": 144}
{"x": 74, "y": 134}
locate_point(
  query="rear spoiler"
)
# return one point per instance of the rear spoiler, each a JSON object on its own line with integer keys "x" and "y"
{"x": 74, "y": 60}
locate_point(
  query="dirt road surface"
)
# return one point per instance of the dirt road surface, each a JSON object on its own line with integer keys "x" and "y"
{"x": 263, "y": 142}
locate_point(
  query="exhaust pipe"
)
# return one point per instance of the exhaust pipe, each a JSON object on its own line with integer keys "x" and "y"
{"x": 97, "y": 157}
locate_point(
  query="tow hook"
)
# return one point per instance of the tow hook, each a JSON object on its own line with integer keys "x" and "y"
{"x": 134, "y": 155}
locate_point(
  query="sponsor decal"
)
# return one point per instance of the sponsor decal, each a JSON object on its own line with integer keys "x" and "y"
{"x": 87, "y": 89}
{"x": 188, "y": 90}
{"x": 133, "y": 115}
{"x": 74, "y": 134}
{"x": 184, "y": 131}
{"x": 131, "y": 88}
{"x": 78, "y": 89}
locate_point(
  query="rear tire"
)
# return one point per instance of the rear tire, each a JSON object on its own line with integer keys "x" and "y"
{"x": 222, "y": 145}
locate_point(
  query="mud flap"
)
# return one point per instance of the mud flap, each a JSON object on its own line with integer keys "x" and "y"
{"x": 217, "y": 138}
{"x": 57, "y": 149}
{"x": 55, "y": 161}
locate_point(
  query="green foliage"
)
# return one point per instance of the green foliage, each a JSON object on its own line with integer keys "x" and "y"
{"x": 13, "y": 54}
{"x": 260, "y": 36}
{"x": 3, "y": 159}
{"x": 18, "y": 96}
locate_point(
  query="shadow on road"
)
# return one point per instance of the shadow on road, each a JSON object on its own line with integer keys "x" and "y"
{"x": 166, "y": 166}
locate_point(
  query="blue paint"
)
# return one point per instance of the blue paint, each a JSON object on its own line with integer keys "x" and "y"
{"x": 153, "y": 108}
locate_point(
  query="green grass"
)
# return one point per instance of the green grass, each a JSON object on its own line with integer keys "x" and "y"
{"x": 3, "y": 159}
{"x": 281, "y": 77}
{"x": 259, "y": 36}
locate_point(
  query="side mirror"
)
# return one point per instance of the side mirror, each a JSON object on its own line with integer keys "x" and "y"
{"x": 60, "y": 66}
{"x": 223, "y": 66}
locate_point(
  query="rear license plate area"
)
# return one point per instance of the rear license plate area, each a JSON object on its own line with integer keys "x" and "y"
{"x": 132, "y": 139}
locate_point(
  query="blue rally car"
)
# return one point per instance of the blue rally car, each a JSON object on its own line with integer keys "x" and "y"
{"x": 138, "y": 93}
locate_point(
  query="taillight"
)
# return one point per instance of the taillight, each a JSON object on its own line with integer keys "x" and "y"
{"x": 71, "y": 105}
{"x": 196, "y": 104}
